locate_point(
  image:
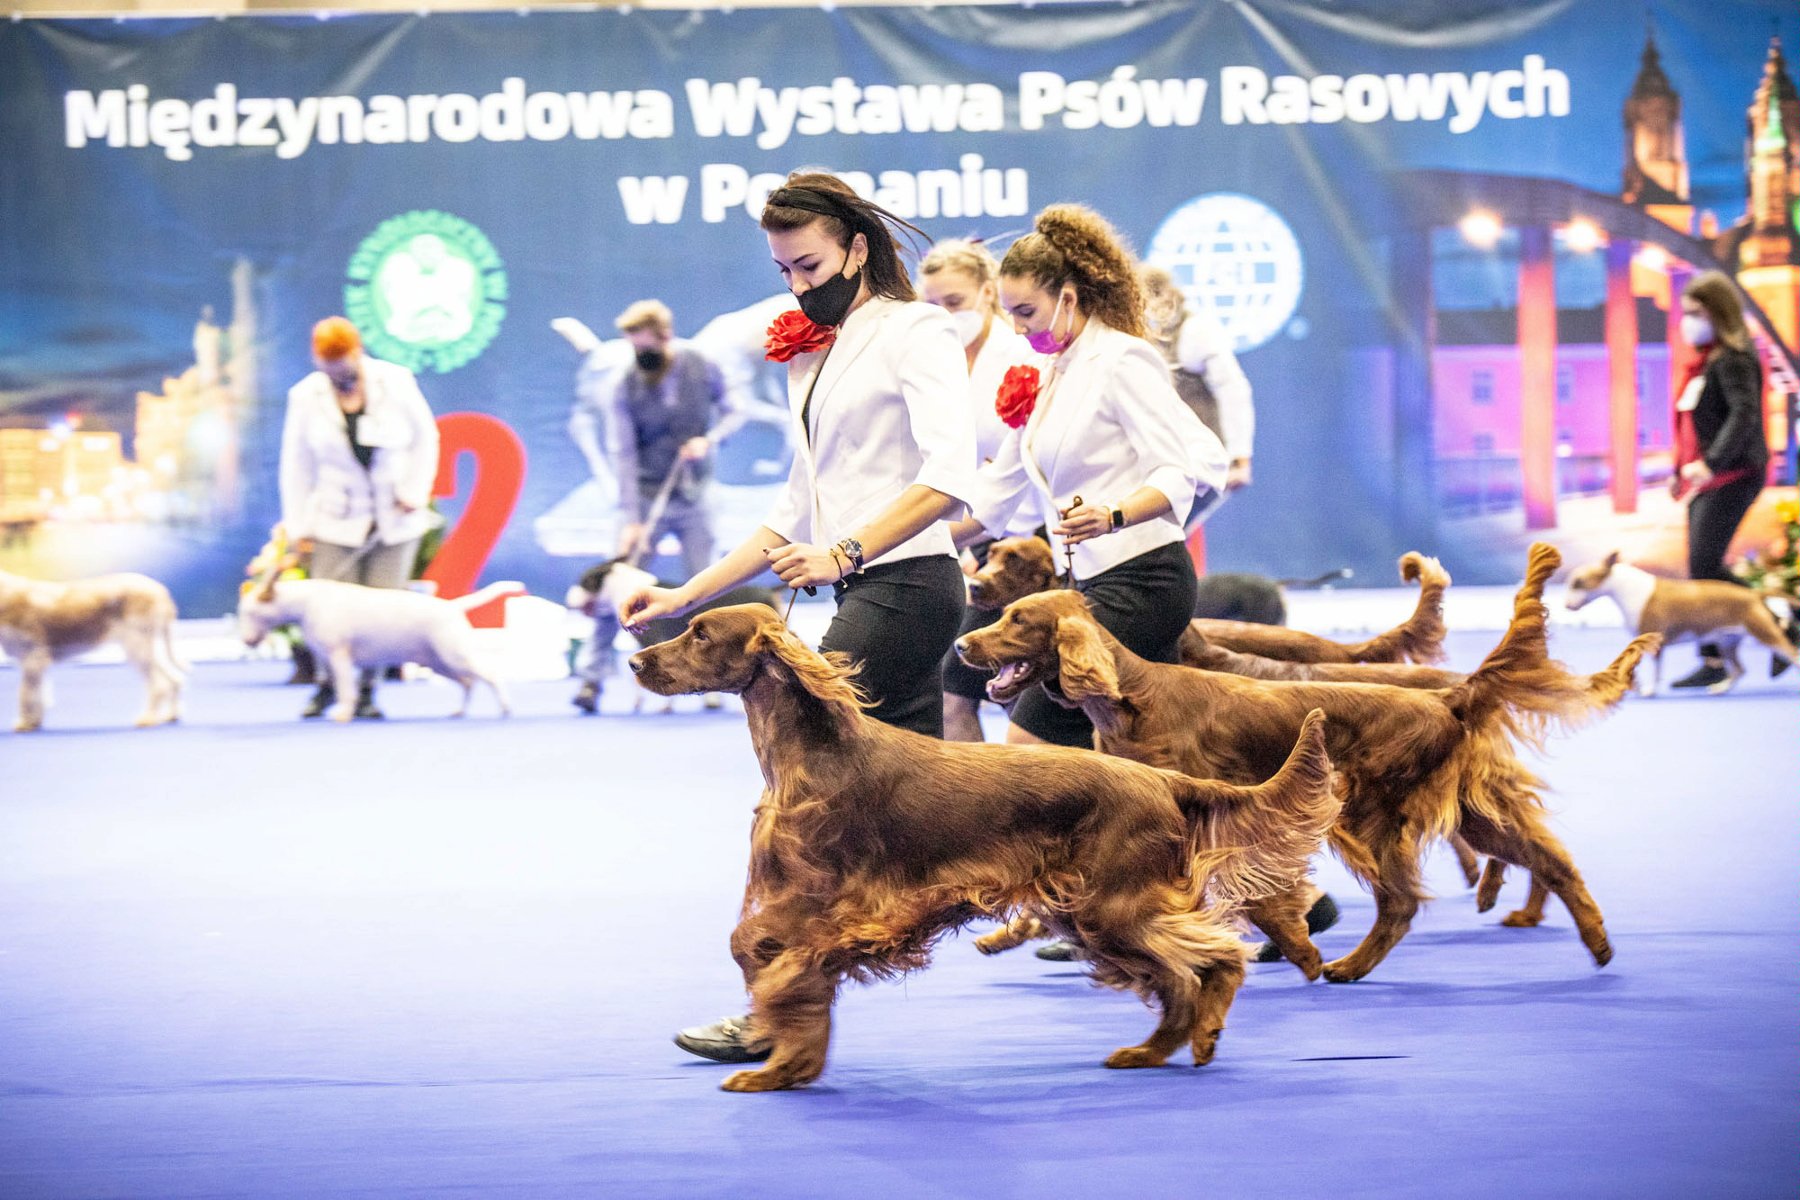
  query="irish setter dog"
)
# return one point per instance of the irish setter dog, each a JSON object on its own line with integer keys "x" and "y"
{"x": 869, "y": 843}
{"x": 1413, "y": 764}
{"x": 1024, "y": 566}
{"x": 1603, "y": 689}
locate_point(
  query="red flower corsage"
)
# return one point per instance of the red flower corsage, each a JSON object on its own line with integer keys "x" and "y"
{"x": 791, "y": 333}
{"x": 1017, "y": 396}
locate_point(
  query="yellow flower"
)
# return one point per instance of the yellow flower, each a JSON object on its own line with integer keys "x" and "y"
{"x": 1788, "y": 511}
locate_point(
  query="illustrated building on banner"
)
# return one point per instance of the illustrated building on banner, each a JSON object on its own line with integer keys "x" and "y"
{"x": 186, "y": 460}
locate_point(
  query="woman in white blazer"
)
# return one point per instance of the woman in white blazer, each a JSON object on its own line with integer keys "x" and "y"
{"x": 359, "y": 455}
{"x": 963, "y": 278}
{"x": 1106, "y": 427}
{"x": 884, "y": 454}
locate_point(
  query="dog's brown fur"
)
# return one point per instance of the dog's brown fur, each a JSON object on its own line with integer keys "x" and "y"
{"x": 1418, "y": 639}
{"x": 1602, "y": 690}
{"x": 869, "y": 843}
{"x": 1413, "y": 764}
{"x": 43, "y": 622}
{"x": 1021, "y": 567}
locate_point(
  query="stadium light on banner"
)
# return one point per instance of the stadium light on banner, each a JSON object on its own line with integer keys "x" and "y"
{"x": 1481, "y": 229}
{"x": 1653, "y": 258}
{"x": 1583, "y": 236}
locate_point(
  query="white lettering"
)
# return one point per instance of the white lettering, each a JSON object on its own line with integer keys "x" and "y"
{"x": 1241, "y": 96}
{"x": 87, "y": 116}
{"x": 653, "y": 198}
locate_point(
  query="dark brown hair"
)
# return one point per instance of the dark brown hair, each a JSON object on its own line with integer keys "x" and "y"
{"x": 810, "y": 196}
{"x": 1074, "y": 244}
{"x": 1714, "y": 291}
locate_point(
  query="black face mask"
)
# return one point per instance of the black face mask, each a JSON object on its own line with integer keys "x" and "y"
{"x": 651, "y": 360}
{"x": 829, "y": 303}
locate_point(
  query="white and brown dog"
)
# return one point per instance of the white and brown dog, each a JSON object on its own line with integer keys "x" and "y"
{"x": 43, "y": 622}
{"x": 351, "y": 626}
{"x": 1682, "y": 610}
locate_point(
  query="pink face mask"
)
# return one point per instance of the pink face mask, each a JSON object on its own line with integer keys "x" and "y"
{"x": 1045, "y": 340}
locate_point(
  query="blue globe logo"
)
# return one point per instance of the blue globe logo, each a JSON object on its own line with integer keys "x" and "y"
{"x": 1235, "y": 259}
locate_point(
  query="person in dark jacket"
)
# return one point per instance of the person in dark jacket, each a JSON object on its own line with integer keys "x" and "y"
{"x": 1721, "y": 451}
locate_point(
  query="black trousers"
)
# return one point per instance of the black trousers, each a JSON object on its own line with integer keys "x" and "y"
{"x": 960, "y": 679}
{"x": 1713, "y": 517}
{"x": 896, "y": 620}
{"x": 1145, "y": 602}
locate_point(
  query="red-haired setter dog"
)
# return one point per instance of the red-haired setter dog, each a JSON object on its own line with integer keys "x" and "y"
{"x": 1413, "y": 764}
{"x": 870, "y": 843}
{"x": 1603, "y": 689}
{"x": 1020, "y": 567}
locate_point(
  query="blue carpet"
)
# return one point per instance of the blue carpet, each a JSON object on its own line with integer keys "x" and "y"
{"x": 251, "y": 957}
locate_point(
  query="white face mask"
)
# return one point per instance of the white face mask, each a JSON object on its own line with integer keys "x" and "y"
{"x": 1696, "y": 330}
{"x": 969, "y": 324}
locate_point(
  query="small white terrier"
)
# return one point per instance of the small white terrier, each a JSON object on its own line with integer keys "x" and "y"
{"x": 351, "y": 626}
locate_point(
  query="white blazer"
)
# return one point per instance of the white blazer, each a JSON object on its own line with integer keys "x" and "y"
{"x": 889, "y": 410}
{"x": 325, "y": 493}
{"x": 1107, "y": 422}
{"x": 1004, "y": 349}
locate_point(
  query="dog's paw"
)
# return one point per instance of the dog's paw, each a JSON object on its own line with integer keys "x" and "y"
{"x": 756, "y": 1081}
{"x": 1133, "y": 1057}
{"x": 1205, "y": 1045}
{"x": 1520, "y": 919}
{"x": 28, "y": 727}
{"x": 1342, "y": 970}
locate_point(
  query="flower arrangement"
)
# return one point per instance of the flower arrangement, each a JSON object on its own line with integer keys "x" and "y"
{"x": 1776, "y": 572}
{"x": 792, "y": 333}
{"x": 1017, "y": 395}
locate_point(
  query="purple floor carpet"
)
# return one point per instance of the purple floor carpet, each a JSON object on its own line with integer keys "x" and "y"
{"x": 251, "y": 957}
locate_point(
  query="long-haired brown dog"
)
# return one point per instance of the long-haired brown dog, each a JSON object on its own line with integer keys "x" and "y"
{"x": 1601, "y": 690}
{"x": 1020, "y": 567}
{"x": 869, "y": 843}
{"x": 1413, "y": 764}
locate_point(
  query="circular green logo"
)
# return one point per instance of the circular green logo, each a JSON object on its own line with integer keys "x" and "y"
{"x": 427, "y": 290}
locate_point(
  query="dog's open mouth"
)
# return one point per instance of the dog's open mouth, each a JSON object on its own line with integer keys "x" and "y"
{"x": 1010, "y": 680}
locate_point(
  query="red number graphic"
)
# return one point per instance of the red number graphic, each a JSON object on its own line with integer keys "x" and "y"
{"x": 499, "y": 475}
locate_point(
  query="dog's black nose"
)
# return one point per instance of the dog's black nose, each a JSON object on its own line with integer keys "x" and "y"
{"x": 637, "y": 663}
{"x": 962, "y": 646}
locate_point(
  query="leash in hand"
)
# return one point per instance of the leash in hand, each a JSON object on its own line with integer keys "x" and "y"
{"x": 1068, "y": 547}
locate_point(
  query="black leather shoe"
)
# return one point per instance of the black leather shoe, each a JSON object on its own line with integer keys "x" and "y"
{"x": 322, "y": 699}
{"x": 1060, "y": 951}
{"x": 1709, "y": 675}
{"x": 726, "y": 1040}
{"x": 366, "y": 709}
{"x": 1321, "y": 916}
{"x": 587, "y": 699}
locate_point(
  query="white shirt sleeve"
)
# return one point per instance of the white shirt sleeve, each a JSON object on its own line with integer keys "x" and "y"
{"x": 792, "y": 515}
{"x": 934, "y": 384}
{"x": 299, "y": 470}
{"x": 1204, "y": 348}
{"x": 1146, "y": 406}
{"x": 1001, "y": 487}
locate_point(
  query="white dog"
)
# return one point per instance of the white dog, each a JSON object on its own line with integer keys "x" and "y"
{"x": 42, "y": 623}
{"x": 351, "y": 626}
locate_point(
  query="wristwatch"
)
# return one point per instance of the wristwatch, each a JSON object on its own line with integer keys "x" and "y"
{"x": 853, "y": 551}
{"x": 1118, "y": 518}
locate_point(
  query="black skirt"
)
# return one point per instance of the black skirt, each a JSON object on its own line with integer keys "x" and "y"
{"x": 1145, "y": 602}
{"x": 896, "y": 620}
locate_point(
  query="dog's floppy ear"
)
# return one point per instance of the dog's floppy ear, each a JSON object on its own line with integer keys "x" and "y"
{"x": 828, "y": 677}
{"x": 1087, "y": 670}
{"x": 1611, "y": 560}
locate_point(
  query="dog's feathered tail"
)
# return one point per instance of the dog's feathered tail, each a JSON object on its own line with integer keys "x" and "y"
{"x": 491, "y": 592}
{"x": 1521, "y": 685}
{"x": 1420, "y": 638}
{"x": 1255, "y": 841}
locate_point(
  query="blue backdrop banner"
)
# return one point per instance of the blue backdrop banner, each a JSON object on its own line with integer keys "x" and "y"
{"x": 1371, "y": 197}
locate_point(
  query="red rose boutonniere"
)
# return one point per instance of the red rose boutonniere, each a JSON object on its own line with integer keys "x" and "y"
{"x": 791, "y": 333}
{"x": 1017, "y": 396}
